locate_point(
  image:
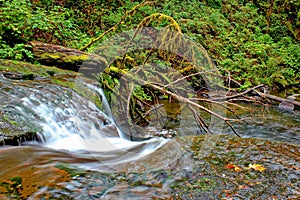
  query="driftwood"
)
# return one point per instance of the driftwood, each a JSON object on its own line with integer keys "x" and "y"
{"x": 276, "y": 98}
{"x": 280, "y": 100}
{"x": 261, "y": 94}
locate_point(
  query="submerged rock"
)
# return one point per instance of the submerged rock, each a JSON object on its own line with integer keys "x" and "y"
{"x": 288, "y": 105}
{"x": 219, "y": 169}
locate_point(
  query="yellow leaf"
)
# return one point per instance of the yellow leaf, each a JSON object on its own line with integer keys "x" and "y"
{"x": 243, "y": 187}
{"x": 237, "y": 169}
{"x": 257, "y": 167}
{"x": 232, "y": 166}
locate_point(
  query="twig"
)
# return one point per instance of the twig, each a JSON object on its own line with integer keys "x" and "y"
{"x": 239, "y": 94}
{"x": 231, "y": 127}
{"x": 219, "y": 103}
{"x": 128, "y": 102}
{"x": 178, "y": 97}
{"x": 185, "y": 77}
{"x": 200, "y": 120}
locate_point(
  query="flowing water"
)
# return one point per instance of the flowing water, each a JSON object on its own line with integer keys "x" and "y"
{"x": 74, "y": 132}
{"x": 66, "y": 121}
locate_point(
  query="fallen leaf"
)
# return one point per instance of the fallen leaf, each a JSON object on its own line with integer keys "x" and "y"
{"x": 232, "y": 166}
{"x": 237, "y": 169}
{"x": 257, "y": 167}
{"x": 243, "y": 187}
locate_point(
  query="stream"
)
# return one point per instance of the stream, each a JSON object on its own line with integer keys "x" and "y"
{"x": 80, "y": 153}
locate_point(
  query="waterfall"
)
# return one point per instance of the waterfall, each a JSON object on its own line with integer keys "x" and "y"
{"x": 106, "y": 107}
{"x": 66, "y": 120}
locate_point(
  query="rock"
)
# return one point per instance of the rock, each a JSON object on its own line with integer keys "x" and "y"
{"x": 19, "y": 76}
{"x": 13, "y": 132}
{"x": 286, "y": 105}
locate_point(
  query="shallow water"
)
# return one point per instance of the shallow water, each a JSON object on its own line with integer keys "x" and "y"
{"x": 185, "y": 168}
{"x": 80, "y": 146}
{"x": 272, "y": 123}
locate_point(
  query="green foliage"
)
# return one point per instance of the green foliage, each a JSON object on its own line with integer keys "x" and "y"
{"x": 139, "y": 91}
{"x": 73, "y": 172}
{"x": 256, "y": 41}
{"x": 244, "y": 40}
{"x": 17, "y": 52}
{"x": 214, "y": 3}
{"x": 56, "y": 25}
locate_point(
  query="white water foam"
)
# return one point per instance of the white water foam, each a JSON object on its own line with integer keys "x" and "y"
{"x": 81, "y": 126}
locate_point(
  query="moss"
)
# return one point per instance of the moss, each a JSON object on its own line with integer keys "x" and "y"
{"x": 75, "y": 59}
{"x": 62, "y": 58}
{"x": 63, "y": 83}
{"x": 12, "y": 122}
{"x": 30, "y": 71}
{"x": 60, "y": 77}
{"x": 203, "y": 184}
{"x": 73, "y": 172}
{"x": 28, "y": 68}
{"x": 14, "y": 188}
{"x": 54, "y": 56}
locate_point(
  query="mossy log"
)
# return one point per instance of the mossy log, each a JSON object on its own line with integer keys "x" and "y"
{"x": 67, "y": 58}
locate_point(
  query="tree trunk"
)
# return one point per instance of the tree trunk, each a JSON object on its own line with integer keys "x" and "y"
{"x": 67, "y": 58}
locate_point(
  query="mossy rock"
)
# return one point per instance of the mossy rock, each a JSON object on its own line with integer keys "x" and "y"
{"x": 13, "y": 131}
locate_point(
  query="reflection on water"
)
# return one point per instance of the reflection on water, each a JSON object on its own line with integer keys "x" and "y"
{"x": 271, "y": 123}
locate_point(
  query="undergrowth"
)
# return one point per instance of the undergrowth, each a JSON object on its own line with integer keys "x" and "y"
{"x": 252, "y": 41}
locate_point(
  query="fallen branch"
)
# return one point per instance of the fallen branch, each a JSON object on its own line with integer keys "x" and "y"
{"x": 239, "y": 94}
{"x": 178, "y": 97}
{"x": 202, "y": 123}
{"x": 261, "y": 94}
{"x": 279, "y": 99}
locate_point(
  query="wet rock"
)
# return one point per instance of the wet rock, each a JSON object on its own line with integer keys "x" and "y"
{"x": 18, "y": 126}
{"x": 14, "y": 132}
{"x": 208, "y": 178}
{"x": 18, "y": 139}
{"x": 19, "y": 76}
{"x": 286, "y": 105}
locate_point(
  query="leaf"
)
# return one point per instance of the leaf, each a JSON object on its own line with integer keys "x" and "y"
{"x": 243, "y": 187}
{"x": 237, "y": 169}
{"x": 257, "y": 167}
{"x": 232, "y": 166}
